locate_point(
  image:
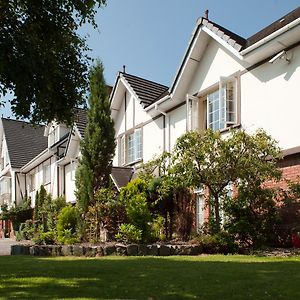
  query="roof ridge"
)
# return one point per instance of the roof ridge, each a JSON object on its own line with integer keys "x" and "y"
{"x": 20, "y": 121}
{"x": 144, "y": 79}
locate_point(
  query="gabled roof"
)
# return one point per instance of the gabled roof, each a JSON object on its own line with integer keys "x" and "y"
{"x": 147, "y": 91}
{"x": 80, "y": 120}
{"x": 121, "y": 176}
{"x": 24, "y": 141}
{"x": 233, "y": 39}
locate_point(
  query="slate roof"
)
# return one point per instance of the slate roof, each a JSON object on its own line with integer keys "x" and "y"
{"x": 121, "y": 175}
{"x": 233, "y": 39}
{"x": 281, "y": 22}
{"x": 239, "y": 43}
{"x": 147, "y": 91}
{"x": 81, "y": 120}
{"x": 24, "y": 141}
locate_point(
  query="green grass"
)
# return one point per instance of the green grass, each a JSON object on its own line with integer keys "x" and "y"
{"x": 203, "y": 277}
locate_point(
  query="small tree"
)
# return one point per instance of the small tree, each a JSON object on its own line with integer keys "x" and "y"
{"x": 215, "y": 162}
{"x": 98, "y": 145}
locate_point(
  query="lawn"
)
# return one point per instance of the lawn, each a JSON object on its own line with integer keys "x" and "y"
{"x": 202, "y": 277}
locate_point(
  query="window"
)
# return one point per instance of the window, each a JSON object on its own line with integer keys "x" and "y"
{"x": 131, "y": 147}
{"x": 216, "y": 109}
{"x": 221, "y": 107}
{"x": 5, "y": 185}
{"x": 31, "y": 183}
{"x": 46, "y": 174}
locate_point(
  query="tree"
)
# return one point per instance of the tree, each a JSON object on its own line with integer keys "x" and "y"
{"x": 214, "y": 161}
{"x": 98, "y": 145}
{"x": 42, "y": 57}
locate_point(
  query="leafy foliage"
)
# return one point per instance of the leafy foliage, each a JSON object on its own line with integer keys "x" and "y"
{"x": 42, "y": 56}
{"x": 252, "y": 216}
{"x": 128, "y": 233}
{"x": 98, "y": 145}
{"x": 134, "y": 198}
{"x": 67, "y": 224}
{"x": 214, "y": 161}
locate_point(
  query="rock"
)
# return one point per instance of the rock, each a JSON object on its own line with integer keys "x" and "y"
{"x": 142, "y": 250}
{"x": 20, "y": 250}
{"x": 91, "y": 251}
{"x": 99, "y": 251}
{"x": 34, "y": 250}
{"x": 109, "y": 250}
{"x": 67, "y": 250}
{"x": 56, "y": 250}
{"x": 164, "y": 250}
{"x": 121, "y": 249}
{"x": 78, "y": 250}
{"x": 132, "y": 250}
{"x": 152, "y": 250}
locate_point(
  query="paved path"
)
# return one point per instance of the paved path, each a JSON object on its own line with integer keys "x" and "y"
{"x": 5, "y": 246}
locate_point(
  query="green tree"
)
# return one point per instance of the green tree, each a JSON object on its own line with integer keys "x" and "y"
{"x": 43, "y": 60}
{"x": 215, "y": 162}
{"x": 98, "y": 145}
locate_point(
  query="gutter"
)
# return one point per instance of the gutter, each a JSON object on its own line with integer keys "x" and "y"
{"x": 271, "y": 37}
{"x": 155, "y": 105}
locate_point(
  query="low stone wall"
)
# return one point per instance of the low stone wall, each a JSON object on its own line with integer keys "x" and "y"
{"x": 94, "y": 251}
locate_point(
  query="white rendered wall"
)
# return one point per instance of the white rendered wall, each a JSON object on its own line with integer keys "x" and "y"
{"x": 177, "y": 125}
{"x": 216, "y": 62}
{"x": 70, "y": 187}
{"x": 153, "y": 139}
{"x": 270, "y": 99}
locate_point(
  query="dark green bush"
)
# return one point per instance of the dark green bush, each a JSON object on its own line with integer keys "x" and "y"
{"x": 26, "y": 231}
{"x": 45, "y": 238}
{"x": 221, "y": 242}
{"x": 67, "y": 225}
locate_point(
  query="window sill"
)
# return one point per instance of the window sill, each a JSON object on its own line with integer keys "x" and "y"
{"x": 236, "y": 126}
{"x": 133, "y": 163}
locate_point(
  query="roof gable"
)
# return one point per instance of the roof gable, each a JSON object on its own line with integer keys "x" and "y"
{"x": 147, "y": 91}
{"x": 24, "y": 141}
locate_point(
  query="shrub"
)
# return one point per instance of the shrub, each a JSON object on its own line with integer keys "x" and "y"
{"x": 67, "y": 225}
{"x": 221, "y": 242}
{"x": 128, "y": 233}
{"x": 158, "y": 228}
{"x": 133, "y": 197}
{"x": 26, "y": 231}
{"x": 45, "y": 238}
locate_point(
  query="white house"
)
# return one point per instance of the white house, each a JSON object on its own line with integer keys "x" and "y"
{"x": 223, "y": 81}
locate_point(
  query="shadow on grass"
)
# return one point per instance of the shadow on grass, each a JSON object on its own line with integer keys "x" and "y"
{"x": 211, "y": 277}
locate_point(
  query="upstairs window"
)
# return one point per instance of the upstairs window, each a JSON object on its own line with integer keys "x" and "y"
{"x": 217, "y": 109}
{"x": 53, "y": 136}
{"x": 46, "y": 174}
{"x": 31, "y": 182}
{"x": 131, "y": 147}
{"x": 221, "y": 107}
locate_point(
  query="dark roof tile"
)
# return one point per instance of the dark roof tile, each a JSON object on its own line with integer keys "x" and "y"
{"x": 281, "y": 22}
{"x": 147, "y": 91}
{"x": 121, "y": 175}
{"x": 24, "y": 141}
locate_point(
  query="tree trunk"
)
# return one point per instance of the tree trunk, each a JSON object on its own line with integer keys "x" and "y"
{"x": 217, "y": 225}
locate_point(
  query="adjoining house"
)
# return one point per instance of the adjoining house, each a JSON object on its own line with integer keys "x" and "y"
{"x": 223, "y": 81}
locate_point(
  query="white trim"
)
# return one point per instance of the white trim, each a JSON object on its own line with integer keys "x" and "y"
{"x": 271, "y": 36}
{"x": 155, "y": 105}
{"x": 222, "y": 42}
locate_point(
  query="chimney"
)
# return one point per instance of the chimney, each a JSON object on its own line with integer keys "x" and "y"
{"x": 124, "y": 69}
{"x": 206, "y": 14}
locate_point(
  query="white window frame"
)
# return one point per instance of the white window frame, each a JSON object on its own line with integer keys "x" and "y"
{"x": 46, "y": 173}
{"x": 31, "y": 185}
{"x": 5, "y": 185}
{"x": 221, "y": 105}
{"x": 131, "y": 147}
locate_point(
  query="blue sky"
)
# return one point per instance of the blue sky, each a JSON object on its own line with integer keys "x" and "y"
{"x": 150, "y": 37}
